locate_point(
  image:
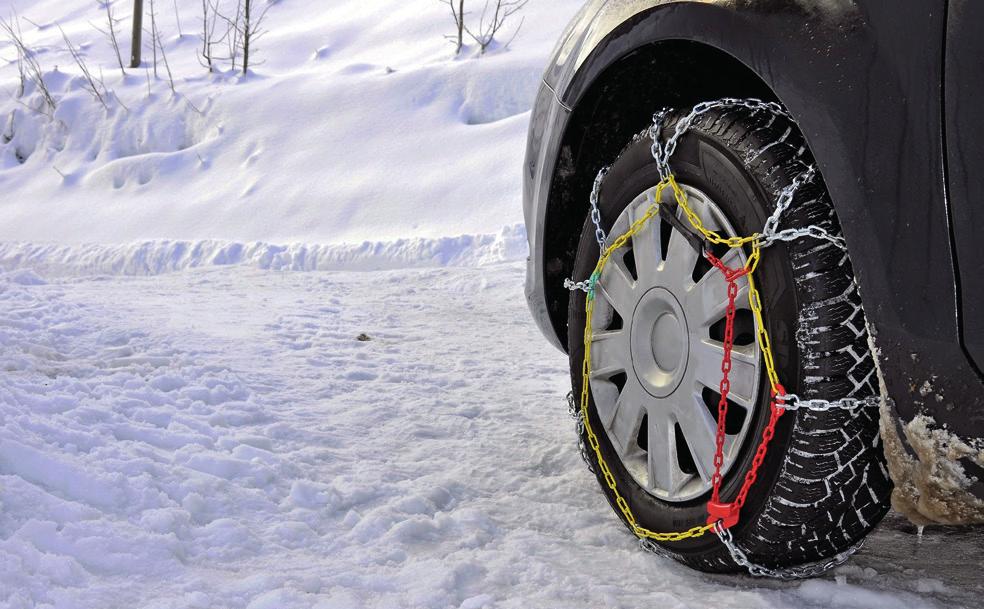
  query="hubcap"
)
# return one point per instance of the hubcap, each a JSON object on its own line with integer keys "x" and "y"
{"x": 659, "y": 342}
{"x": 656, "y": 354}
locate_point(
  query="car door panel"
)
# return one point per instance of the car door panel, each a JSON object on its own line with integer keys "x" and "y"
{"x": 964, "y": 109}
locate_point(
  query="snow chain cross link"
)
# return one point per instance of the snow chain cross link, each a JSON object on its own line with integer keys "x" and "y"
{"x": 721, "y": 516}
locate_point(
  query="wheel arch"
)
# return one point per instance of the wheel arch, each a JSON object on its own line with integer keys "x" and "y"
{"x": 842, "y": 69}
{"x": 611, "y": 108}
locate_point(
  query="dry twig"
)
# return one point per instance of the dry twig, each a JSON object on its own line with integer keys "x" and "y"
{"x": 490, "y": 26}
{"x": 93, "y": 86}
{"x": 30, "y": 68}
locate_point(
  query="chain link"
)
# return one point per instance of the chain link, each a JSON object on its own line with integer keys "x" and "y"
{"x": 787, "y": 573}
{"x": 791, "y": 401}
{"x": 654, "y": 548}
{"x": 663, "y": 151}
{"x": 578, "y": 416}
{"x": 604, "y": 471}
{"x": 586, "y": 286}
{"x": 785, "y": 199}
{"x": 723, "y": 515}
{"x": 792, "y": 234}
{"x": 600, "y": 236}
{"x": 724, "y": 388}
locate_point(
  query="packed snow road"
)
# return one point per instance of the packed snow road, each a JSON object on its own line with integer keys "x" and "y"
{"x": 220, "y": 438}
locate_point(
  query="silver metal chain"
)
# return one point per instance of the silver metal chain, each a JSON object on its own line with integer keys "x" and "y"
{"x": 587, "y": 286}
{"x": 786, "y": 196}
{"x": 663, "y": 151}
{"x": 793, "y": 234}
{"x": 583, "y": 286}
{"x": 575, "y": 411}
{"x": 786, "y": 573}
{"x": 600, "y": 236}
{"x": 651, "y": 546}
{"x": 791, "y": 401}
{"x": 770, "y": 234}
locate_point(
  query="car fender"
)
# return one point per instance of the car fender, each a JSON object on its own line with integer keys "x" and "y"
{"x": 868, "y": 101}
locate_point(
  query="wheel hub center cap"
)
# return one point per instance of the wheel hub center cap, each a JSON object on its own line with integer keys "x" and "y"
{"x": 667, "y": 342}
{"x": 659, "y": 342}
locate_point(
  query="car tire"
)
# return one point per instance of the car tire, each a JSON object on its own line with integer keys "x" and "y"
{"x": 823, "y": 485}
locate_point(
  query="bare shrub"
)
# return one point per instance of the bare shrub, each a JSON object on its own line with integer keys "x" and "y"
{"x": 21, "y": 74}
{"x": 210, "y": 18}
{"x": 30, "y": 68}
{"x": 158, "y": 44}
{"x": 458, "y": 13}
{"x": 177, "y": 17}
{"x": 244, "y": 30}
{"x": 110, "y": 32}
{"x": 494, "y": 17}
{"x": 232, "y": 33}
{"x": 252, "y": 28}
{"x": 91, "y": 84}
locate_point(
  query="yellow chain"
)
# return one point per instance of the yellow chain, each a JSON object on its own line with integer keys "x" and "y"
{"x": 753, "y": 300}
{"x": 698, "y": 224}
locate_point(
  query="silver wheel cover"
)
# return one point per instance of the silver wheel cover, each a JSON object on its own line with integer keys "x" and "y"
{"x": 656, "y": 369}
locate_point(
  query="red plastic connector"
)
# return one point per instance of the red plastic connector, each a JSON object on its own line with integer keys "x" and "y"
{"x": 727, "y": 513}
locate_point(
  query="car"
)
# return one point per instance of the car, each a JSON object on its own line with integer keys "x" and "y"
{"x": 879, "y": 321}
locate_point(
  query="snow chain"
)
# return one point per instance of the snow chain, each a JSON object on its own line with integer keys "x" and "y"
{"x": 721, "y": 516}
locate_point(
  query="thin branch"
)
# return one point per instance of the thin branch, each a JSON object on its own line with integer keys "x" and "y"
{"x": 234, "y": 41}
{"x": 38, "y": 26}
{"x": 8, "y": 131}
{"x": 80, "y": 62}
{"x": 252, "y": 29}
{"x": 153, "y": 34}
{"x": 111, "y": 22}
{"x": 27, "y": 62}
{"x": 50, "y": 113}
{"x": 210, "y": 19}
{"x": 177, "y": 17}
{"x": 245, "y": 30}
{"x": 490, "y": 26}
{"x": 459, "y": 23}
{"x": 158, "y": 43}
{"x": 193, "y": 106}
{"x": 20, "y": 73}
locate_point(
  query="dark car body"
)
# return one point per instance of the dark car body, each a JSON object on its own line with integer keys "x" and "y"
{"x": 890, "y": 97}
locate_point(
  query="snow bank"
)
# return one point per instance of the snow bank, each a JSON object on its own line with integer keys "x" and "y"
{"x": 359, "y": 126}
{"x": 156, "y": 257}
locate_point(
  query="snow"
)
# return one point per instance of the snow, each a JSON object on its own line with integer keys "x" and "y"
{"x": 219, "y": 438}
{"x": 358, "y": 125}
{"x": 162, "y": 256}
{"x": 188, "y": 418}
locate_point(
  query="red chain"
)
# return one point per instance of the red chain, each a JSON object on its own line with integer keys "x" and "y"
{"x": 727, "y": 513}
